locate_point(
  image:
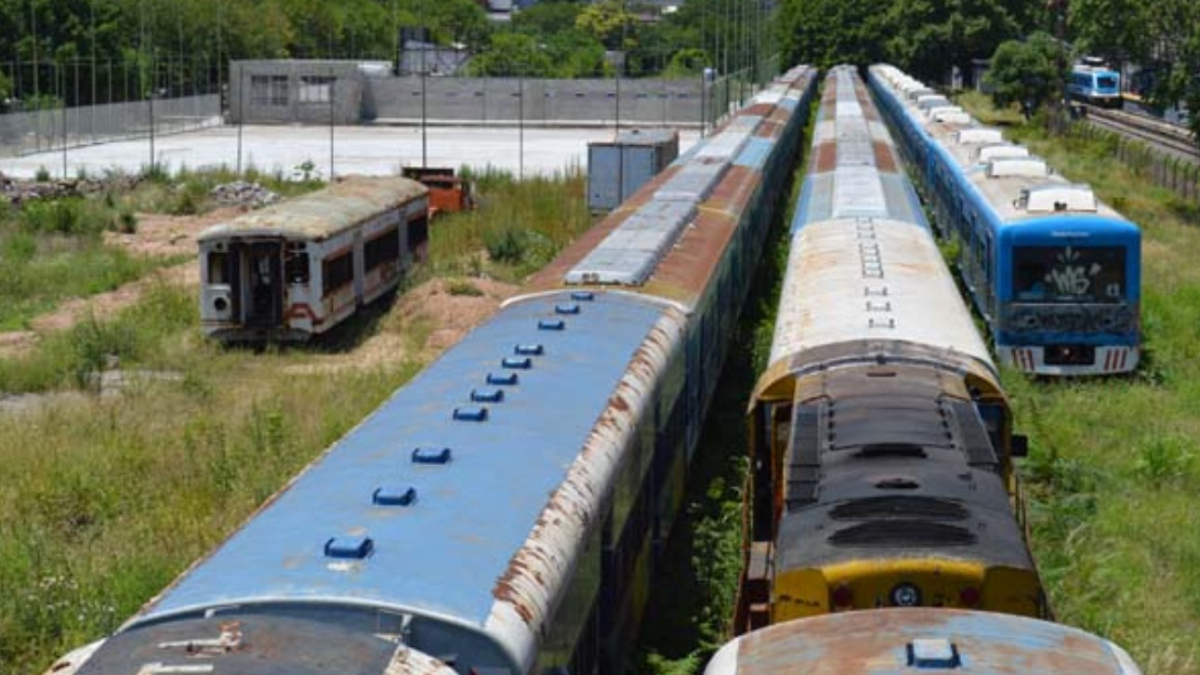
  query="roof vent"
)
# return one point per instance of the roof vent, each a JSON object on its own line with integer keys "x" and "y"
{"x": 355, "y": 548}
{"x": 517, "y": 362}
{"x": 529, "y": 350}
{"x": 583, "y": 296}
{"x": 489, "y": 395}
{"x": 551, "y": 324}
{"x": 502, "y": 379}
{"x": 430, "y": 455}
{"x": 473, "y": 413}
{"x": 570, "y": 308}
{"x": 394, "y": 496}
{"x": 1052, "y": 198}
{"x": 952, "y": 117}
{"x": 933, "y": 653}
{"x": 1025, "y": 167}
{"x": 979, "y": 135}
{"x": 996, "y": 151}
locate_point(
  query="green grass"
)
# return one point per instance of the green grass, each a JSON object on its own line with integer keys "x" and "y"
{"x": 50, "y": 251}
{"x": 104, "y": 499}
{"x": 518, "y": 228}
{"x": 1113, "y": 467}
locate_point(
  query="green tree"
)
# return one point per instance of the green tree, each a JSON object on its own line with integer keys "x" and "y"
{"x": 931, "y": 36}
{"x": 512, "y": 54}
{"x": 1026, "y": 73}
{"x": 826, "y": 33}
{"x": 1114, "y": 29}
{"x": 610, "y": 23}
{"x": 686, "y": 63}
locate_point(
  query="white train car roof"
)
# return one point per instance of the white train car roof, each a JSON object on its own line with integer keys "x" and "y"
{"x": 1016, "y": 188}
{"x": 872, "y": 272}
{"x": 324, "y": 213}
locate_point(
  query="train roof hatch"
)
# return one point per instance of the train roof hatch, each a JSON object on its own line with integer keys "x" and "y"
{"x": 1053, "y": 198}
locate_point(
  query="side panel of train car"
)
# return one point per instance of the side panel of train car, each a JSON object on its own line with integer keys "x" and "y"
{"x": 894, "y": 641}
{"x": 297, "y": 269}
{"x": 1054, "y": 273}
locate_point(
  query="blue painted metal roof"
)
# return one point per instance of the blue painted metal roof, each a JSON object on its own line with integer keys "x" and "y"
{"x": 444, "y": 552}
{"x": 755, "y": 153}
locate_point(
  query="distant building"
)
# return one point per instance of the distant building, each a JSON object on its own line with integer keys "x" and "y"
{"x": 297, "y": 91}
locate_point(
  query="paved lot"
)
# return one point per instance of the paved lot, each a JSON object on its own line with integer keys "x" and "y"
{"x": 357, "y": 150}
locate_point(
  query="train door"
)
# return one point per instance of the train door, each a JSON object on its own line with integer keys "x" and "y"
{"x": 263, "y": 292}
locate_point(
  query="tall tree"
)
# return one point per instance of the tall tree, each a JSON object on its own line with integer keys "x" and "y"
{"x": 825, "y": 33}
{"x": 1026, "y": 73}
{"x": 931, "y": 36}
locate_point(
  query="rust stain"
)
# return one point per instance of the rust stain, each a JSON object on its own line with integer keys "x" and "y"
{"x": 825, "y": 157}
{"x": 885, "y": 158}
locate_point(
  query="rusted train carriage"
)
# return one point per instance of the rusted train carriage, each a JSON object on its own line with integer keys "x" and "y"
{"x": 504, "y": 511}
{"x": 882, "y": 441}
{"x": 296, "y": 269}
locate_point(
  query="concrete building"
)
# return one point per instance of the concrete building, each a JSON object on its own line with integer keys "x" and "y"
{"x": 291, "y": 91}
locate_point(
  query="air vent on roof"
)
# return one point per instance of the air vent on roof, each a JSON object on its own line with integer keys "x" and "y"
{"x": 1026, "y": 167}
{"x": 430, "y": 455}
{"x": 529, "y": 350}
{"x": 489, "y": 395}
{"x": 903, "y": 533}
{"x": 934, "y": 111}
{"x": 933, "y": 653}
{"x": 570, "y": 308}
{"x": 952, "y": 117}
{"x": 979, "y": 135}
{"x": 394, "y": 496}
{"x": 583, "y": 296}
{"x": 930, "y": 101}
{"x": 1051, "y": 198}
{"x": 473, "y": 413}
{"x": 897, "y": 483}
{"x": 349, "y": 547}
{"x": 517, "y": 362}
{"x": 551, "y": 324}
{"x": 502, "y": 379}
{"x": 989, "y": 153}
{"x": 899, "y": 506}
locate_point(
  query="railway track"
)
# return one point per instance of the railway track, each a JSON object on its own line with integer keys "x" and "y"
{"x": 1172, "y": 138}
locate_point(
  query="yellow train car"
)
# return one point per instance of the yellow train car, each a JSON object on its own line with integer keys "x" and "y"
{"x": 882, "y": 441}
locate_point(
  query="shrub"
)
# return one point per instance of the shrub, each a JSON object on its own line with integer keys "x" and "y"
{"x": 463, "y": 287}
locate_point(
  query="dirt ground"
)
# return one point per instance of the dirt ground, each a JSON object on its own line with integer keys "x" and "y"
{"x": 429, "y": 313}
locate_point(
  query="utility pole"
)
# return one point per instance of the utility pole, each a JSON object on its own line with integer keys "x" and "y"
{"x": 332, "y": 90}
{"x": 33, "y": 18}
{"x": 424, "y": 110}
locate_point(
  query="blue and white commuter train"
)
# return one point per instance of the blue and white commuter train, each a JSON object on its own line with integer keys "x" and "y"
{"x": 1055, "y": 273}
{"x": 503, "y": 513}
{"x": 1096, "y": 85}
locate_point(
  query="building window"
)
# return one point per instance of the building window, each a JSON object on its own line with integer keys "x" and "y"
{"x": 382, "y": 249}
{"x": 338, "y": 272}
{"x": 316, "y": 88}
{"x": 269, "y": 90}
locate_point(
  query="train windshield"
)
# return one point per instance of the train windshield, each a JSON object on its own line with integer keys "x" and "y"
{"x": 1069, "y": 274}
{"x": 1106, "y": 81}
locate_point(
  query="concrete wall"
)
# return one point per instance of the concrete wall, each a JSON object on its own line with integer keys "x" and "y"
{"x": 546, "y": 102}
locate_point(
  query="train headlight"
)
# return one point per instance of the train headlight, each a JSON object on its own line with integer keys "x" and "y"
{"x": 906, "y": 595}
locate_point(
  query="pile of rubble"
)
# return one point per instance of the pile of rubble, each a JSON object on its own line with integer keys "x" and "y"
{"x": 15, "y": 191}
{"x": 241, "y": 193}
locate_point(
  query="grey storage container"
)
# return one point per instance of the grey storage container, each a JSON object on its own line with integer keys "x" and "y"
{"x": 617, "y": 169}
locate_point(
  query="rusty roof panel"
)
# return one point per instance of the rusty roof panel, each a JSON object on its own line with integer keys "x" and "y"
{"x": 325, "y": 212}
{"x": 880, "y": 642}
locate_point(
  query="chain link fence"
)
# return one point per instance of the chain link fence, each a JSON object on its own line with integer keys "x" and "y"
{"x": 1164, "y": 169}
{"x": 79, "y": 103}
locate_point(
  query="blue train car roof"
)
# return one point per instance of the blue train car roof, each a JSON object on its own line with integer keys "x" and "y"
{"x": 443, "y": 553}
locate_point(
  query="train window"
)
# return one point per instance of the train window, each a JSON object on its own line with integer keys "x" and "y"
{"x": 382, "y": 249}
{"x": 218, "y": 267}
{"x": 296, "y": 264}
{"x": 338, "y": 272}
{"x": 1069, "y": 274}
